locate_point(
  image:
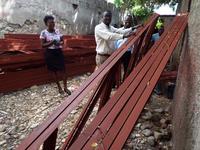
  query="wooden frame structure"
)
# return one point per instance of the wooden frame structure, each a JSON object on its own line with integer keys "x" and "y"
{"x": 117, "y": 114}
{"x": 22, "y": 60}
{"x": 46, "y": 132}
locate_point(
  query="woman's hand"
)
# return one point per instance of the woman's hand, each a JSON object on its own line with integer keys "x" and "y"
{"x": 46, "y": 44}
{"x": 61, "y": 42}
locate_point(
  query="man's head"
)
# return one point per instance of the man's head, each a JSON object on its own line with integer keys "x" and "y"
{"x": 128, "y": 22}
{"x": 107, "y": 17}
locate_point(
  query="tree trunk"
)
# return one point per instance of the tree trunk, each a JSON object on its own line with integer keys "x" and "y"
{"x": 186, "y": 118}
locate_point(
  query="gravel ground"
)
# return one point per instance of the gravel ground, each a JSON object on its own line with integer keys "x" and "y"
{"x": 22, "y": 111}
{"x": 153, "y": 128}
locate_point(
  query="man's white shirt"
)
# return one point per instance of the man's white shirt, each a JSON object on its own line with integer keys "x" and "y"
{"x": 105, "y": 37}
{"x": 120, "y": 42}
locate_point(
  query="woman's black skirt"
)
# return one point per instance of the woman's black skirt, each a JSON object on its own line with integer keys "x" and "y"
{"x": 54, "y": 59}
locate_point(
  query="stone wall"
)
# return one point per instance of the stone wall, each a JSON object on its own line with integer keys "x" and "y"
{"x": 72, "y": 16}
{"x": 186, "y": 117}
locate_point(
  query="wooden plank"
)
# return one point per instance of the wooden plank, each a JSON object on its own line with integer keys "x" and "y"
{"x": 120, "y": 120}
{"x": 37, "y": 76}
{"x": 5, "y": 60}
{"x": 85, "y": 114}
{"x": 74, "y": 43}
{"x": 125, "y": 131}
{"x": 90, "y": 131}
{"x": 126, "y": 110}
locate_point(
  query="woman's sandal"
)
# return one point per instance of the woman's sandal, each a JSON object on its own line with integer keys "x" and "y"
{"x": 67, "y": 91}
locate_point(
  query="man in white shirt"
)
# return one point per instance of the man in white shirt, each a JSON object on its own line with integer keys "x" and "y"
{"x": 105, "y": 35}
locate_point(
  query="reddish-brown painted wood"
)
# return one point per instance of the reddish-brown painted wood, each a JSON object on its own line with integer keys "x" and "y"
{"x": 38, "y": 136}
{"x": 125, "y": 131}
{"x": 84, "y": 138}
{"x": 85, "y": 113}
{"x": 80, "y": 140}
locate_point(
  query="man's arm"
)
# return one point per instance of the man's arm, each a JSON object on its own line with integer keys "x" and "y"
{"x": 126, "y": 31}
{"x": 106, "y": 35}
{"x": 121, "y": 30}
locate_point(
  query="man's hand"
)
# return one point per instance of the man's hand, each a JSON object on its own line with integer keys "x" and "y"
{"x": 128, "y": 35}
{"x": 137, "y": 26}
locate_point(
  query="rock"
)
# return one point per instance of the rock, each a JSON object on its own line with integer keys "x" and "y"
{"x": 9, "y": 29}
{"x": 151, "y": 140}
{"x": 170, "y": 144}
{"x": 1, "y": 26}
{"x": 11, "y": 148}
{"x": 147, "y": 116}
{"x": 88, "y": 74}
{"x": 2, "y": 128}
{"x": 166, "y": 136}
{"x": 163, "y": 126}
{"x": 35, "y": 87}
{"x": 157, "y": 135}
{"x": 156, "y": 118}
{"x": 130, "y": 145}
{"x": 2, "y": 142}
{"x": 137, "y": 135}
{"x": 147, "y": 132}
{"x": 142, "y": 142}
{"x": 7, "y": 136}
{"x": 163, "y": 121}
{"x": 22, "y": 137}
{"x": 133, "y": 136}
{"x": 170, "y": 128}
{"x": 74, "y": 112}
{"x": 1, "y": 134}
{"x": 138, "y": 125}
{"x": 168, "y": 121}
{"x": 28, "y": 22}
{"x": 3, "y": 112}
{"x": 33, "y": 126}
{"x": 160, "y": 110}
{"x": 168, "y": 109}
{"x": 146, "y": 126}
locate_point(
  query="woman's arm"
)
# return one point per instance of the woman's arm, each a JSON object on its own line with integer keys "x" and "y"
{"x": 61, "y": 40}
{"x": 46, "y": 44}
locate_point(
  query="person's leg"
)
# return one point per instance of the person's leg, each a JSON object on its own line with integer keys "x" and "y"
{"x": 125, "y": 60}
{"x": 57, "y": 82}
{"x": 100, "y": 60}
{"x": 65, "y": 83}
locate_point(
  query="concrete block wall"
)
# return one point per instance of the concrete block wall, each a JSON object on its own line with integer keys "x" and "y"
{"x": 72, "y": 16}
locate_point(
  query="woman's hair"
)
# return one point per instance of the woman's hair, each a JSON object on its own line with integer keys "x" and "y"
{"x": 48, "y": 17}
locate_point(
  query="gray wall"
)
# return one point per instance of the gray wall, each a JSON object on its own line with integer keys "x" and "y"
{"x": 186, "y": 117}
{"x": 26, "y": 16}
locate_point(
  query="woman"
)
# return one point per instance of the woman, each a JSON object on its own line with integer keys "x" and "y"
{"x": 52, "y": 41}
